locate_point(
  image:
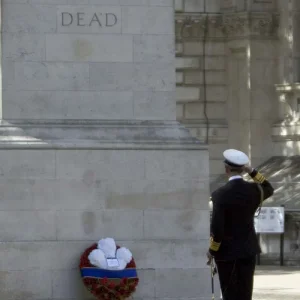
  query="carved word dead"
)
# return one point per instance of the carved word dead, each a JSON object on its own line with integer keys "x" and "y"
{"x": 83, "y": 19}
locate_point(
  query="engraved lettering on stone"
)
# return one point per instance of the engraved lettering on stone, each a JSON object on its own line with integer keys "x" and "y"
{"x": 65, "y": 17}
{"x": 95, "y": 18}
{"x": 81, "y": 19}
{"x": 111, "y": 20}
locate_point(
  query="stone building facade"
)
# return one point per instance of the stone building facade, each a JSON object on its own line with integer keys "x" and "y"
{"x": 238, "y": 87}
{"x": 90, "y": 148}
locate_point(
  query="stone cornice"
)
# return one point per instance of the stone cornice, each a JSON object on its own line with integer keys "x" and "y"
{"x": 96, "y": 134}
{"x": 254, "y": 25}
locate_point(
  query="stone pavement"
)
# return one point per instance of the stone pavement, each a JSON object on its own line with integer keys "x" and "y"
{"x": 274, "y": 283}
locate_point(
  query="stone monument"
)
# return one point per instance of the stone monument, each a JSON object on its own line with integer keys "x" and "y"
{"x": 90, "y": 148}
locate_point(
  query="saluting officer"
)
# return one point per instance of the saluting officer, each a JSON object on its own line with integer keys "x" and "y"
{"x": 233, "y": 241}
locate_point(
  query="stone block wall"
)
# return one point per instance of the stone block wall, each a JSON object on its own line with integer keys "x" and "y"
{"x": 240, "y": 64}
{"x": 90, "y": 148}
{"x": 56, "y": 65}
{"x": 54, "y": 204}
{"x": 201, "y": 83}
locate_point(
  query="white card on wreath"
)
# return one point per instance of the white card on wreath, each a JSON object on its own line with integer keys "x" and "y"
{"x": 112, "y": 262}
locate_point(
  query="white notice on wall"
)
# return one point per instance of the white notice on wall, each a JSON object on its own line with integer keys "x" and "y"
{"x": 270, "y": 220}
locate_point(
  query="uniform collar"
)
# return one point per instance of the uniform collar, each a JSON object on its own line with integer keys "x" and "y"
{"x": 235, "y": 177}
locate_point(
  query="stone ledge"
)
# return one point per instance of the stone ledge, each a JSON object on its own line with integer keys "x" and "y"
{"x": 256, "y": 25}
{"x": 96, "y": 134}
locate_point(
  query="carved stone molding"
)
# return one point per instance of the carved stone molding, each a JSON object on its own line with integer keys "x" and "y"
{"x": 235, "y": 25}
{"x": 227, "y": 26}
{"x": 288, "y": 127}
{"x": 288, "y": 96}
{"x": 192, "y": 26}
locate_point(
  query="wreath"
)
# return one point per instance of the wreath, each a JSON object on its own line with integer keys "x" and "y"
{"x": 108, "y": 271}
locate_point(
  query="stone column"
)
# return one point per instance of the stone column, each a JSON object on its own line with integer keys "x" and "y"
{"x": 90, "y": 148}
{"x": 239, "y": 98}
{"x": 253, "y": 68}
{"x": 286, "y": 129}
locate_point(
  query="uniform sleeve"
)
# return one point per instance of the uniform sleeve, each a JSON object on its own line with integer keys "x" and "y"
{"x": 264, "y": 183}
{"x": 217, "y": 226}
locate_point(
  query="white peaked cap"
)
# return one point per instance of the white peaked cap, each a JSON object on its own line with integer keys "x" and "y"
{"x": 235, "y": 158}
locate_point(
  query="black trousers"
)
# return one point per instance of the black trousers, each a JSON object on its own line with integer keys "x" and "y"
{"x": 236, "y": 278}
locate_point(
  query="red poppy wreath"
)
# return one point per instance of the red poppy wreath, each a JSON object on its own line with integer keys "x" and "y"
{"x": 108, "y": 271}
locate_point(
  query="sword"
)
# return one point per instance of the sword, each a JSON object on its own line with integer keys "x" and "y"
{"x": 213, "y": 272}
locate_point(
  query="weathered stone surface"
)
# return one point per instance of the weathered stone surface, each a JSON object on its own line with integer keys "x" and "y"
{"x": 154, "y": 77}
{"x": 153, "y": 48}
{"x": 189, "y": 285}
{"x": 147, "y": 20}
{"x": 152, "y": 105}
{"x": 155, "y": 194}
{"x": 71, "y": 171}
{"x": 104, "y": 48}
{"x": 25, "y": 285}
{"x": 48, "y": 194}
{"x": 23, "y": 47}
{"x": 41, "y": 255}
{"x": 68, "y": 105}
{"x": 126, "y": 76}
{"x": 36, "y": 76}
{"x": 182, "y": 224}
{"x": 40, "y": 225}
{"x": 109, "y": 164}
{"x": 25, "y": 18}
{"x": 27, "y": 164}
{"x": 89, "y": 225}
{"x": 164, "y": 165}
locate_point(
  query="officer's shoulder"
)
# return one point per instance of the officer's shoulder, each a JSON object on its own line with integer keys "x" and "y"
{"x": 218, "y": 193}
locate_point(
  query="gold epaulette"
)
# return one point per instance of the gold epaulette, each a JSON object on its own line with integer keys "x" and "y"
{"x": 259, "y": 178}
{"x": 214, "y": 245}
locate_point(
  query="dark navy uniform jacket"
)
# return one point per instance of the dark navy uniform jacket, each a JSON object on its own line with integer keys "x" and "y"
{"x": 233, "y": 234}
